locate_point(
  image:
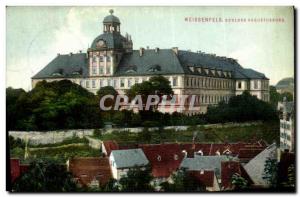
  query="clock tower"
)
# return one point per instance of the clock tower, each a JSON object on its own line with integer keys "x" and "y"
{"x": 108, "y": 48}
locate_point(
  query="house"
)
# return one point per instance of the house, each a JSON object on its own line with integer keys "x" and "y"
{"x": 228, "y": 169}
{"x": 287, "y": 125}
{"x": 90, "y": 171}
{"x": 256, "y": 166}
{"x": 108, "y": 146}
{"x": 164, "y": 159}
{"x": 112, "y": 61}
{"x": 123, "y": 160}
{"x": 17, "y": 169}
{"x": 200, "y": 163}
{"x": 207, "y": 178}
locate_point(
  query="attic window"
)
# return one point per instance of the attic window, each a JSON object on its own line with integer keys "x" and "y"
{"x": 199, "y": 70}
{"x": 175, "y": 157}
{"x": 191, "y": 68}
{"x": 154, "y": 68}
{"x": 206, "y": 71}
{"x": 158, "y": 158}
{"x": 58, "y": 72}
{"x": 219, "y": 73}
{"x": 213, "y": 72}
{"x": 131, "y": 71}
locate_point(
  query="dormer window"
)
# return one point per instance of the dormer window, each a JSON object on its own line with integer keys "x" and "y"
{"x": 131, "y": 71}
{"x": 158, "y": 158}
{"x": 191, "y": 68}
{"x": 175, "y": 157}
{"x": 154, "y": 68}
{"x": 58, "y": 72}
{"x": 206, "y": 70}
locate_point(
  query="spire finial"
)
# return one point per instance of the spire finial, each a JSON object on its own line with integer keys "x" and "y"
{"x": 111, "y": 11}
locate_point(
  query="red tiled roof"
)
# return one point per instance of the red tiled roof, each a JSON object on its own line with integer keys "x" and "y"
{"x": 15, "y": 171}
{"x": 228, "y": 169}
{"x": 164, "y": 158}
{"x": 110, "y": 146}
{"x": 86, "y": 169}
{"x": 205, "y": 177}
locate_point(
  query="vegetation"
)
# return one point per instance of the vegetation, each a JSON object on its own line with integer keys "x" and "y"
{"x": 182, "y": 182}
{"x": 238, "y": 182}
{"x": 270, "y": 172}
{"x": 276, "y": 97}
{"x": 50, "y": 106}
{"x": 45, "y": 177}
{"x": 242, "y": 108}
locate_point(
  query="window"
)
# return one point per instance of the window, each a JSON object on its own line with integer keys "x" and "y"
{"x": 109, "y": 82}
{"x": 81, "y": 83}
{"x": 87, "y": 84}
{"x": 108, "y": 58}
{"x": 115, "y": 83}
{"x": 108, "y": 70}
{"x": 94, "y": 70}
{"x": 94, "y": 59}
{"x": 101, "y": 83}
{"x": 239, "y": 85}
{"x": 174, "y": 81}
{"x": 136, "y": 80}
{"x": 175, "y": 157}
{"x": 129, "y": 83}
{"x": 187, "y": 82}
{"x": 255, "y": 84}
{"x": 122, "y": 83}
{"x": 101, "y": 58}
{"x": 93, "y": 84}
{"x": 101, "y": 70}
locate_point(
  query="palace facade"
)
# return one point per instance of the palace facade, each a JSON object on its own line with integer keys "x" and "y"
{"x": 111, "y": 61}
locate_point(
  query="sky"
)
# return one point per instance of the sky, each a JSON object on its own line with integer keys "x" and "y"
{"x": 34, "y": 35}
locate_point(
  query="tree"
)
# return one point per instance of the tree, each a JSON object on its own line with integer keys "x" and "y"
{"x": 157, "y": 85}
{"x": 270, "y": 172}
{"x": 182, "y": 182}
{"x": 107, "y": 90}
{"x": 238, "y": 182}
{"x": 137, "y": 180}
{"x": 45, "y": 177}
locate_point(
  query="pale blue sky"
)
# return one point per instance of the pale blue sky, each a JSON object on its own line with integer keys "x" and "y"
{"x": 36, "y": 34}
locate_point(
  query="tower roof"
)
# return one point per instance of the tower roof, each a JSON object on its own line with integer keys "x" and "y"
{"x": 111, "y": 18}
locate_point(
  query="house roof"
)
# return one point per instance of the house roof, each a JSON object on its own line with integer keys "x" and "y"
{"x": 205, "y": 177}
{"x": 164, "y": 158}
{"x": 65, "y": 66}
{"x": 255, "y": 167}
{"x": 129, "y": 158}
{"x": 228, "y": 169}
{"x": 87, "y": 169}
{"x": 112, "y": 40}
{"x": 162, "y": 62}
{"x": 151, "y": 62}
{"x": 204, "y": 163}
{"x": 110, "y": 146}
{"x": 15, "y": 171}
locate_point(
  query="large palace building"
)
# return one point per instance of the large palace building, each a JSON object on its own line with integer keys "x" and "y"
{"x": 111, "y": 61}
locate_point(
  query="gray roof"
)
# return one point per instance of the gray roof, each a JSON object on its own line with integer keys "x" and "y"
{"x": 111, "y": 19}
{"x": 162, "y": 62}
{"x": 286, "y": 82}
{"x": 129, "y": 158}
{"x": 205, "y": 163}
{"x": 112, "y": 40}
{"x": 65, "y": 66}
{"x": 255, "y": 167}
{"x": 152, "y": 62}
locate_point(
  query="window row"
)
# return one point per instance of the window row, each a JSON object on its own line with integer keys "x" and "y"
{"x": 208, "y": 83}
{"x": 209, "y": 99}
{"x": 101, "y": 58}
{"x": 119, "y": 83}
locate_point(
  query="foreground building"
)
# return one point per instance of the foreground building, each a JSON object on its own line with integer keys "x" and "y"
{"x": 111, "y": 61}
{"x": 287, "y": 125}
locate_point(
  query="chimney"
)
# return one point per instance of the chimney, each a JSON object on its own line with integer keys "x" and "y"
{"x": 141, "y": 51}
{"x": 58, "y": 54}
{"x": 80, "y": 51}
{"x": 147, "y": 47}
{"x": 175, "y": 50}
{"x": 156, "y": 50}
{"x": 71, "y": 53}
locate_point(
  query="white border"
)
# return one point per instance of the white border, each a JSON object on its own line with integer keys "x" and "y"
{"x": 5, "y": 3}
